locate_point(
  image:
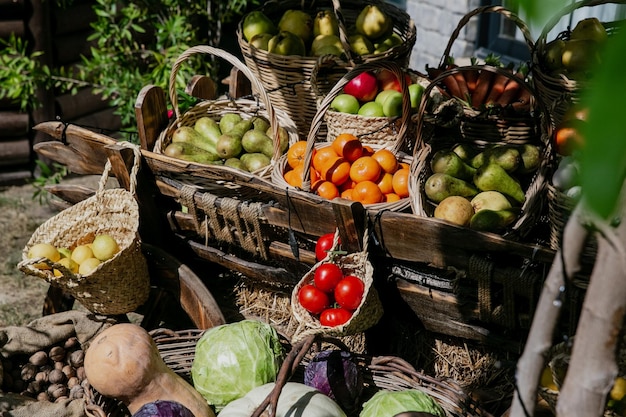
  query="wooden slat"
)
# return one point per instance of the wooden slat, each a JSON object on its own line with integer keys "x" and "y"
{"x": 151, "y": 115}
{"x": 14, "y": 123}
{"x": 14, "y": 152}
{"x": 11, "y": 27}
{"x": 84, "y": 102}
{"x": 17, "y": 175}
{"x": 105, "y": 119}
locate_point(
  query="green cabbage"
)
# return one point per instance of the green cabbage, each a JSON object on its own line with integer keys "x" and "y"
{"x": 389, "y": 403}
{"x": 232, "y": 359}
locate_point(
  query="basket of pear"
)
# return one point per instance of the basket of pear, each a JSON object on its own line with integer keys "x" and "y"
{"x": 92, "y": 250}
{"x": 244, "y": 134}
{"x": 285, "y": 42}
{"x": 488, "y": 189}
{"x": 563, "y": 65}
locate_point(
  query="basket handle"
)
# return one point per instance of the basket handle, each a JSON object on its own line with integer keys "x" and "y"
{"x": 133, "y": 172}
{"x": 486, "y": 9}
{"x": 324, "y": 105}
{"x": 570, "y": 8}
{"x": 257, "y": 88}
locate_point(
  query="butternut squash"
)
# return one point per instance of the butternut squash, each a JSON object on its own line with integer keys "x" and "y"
{"x": 123, "y": 362}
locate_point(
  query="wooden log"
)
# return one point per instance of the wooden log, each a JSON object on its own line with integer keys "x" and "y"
{"x": 104, "y": 120}
{"x": 13, "y": 123}
{"x": 11, "y": 27}
{"x": 16, "y": 175}
{"x": 14, "y": 152}
{"x": 84, "y": 102}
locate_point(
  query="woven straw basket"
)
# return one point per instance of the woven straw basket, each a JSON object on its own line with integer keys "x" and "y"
{"x": 392, "y": 373}
{"x": 247, "y": 108}
{"x": 365, "y": 316}
{"x": 496, "y": 124}
{"x": 430, "y": 140}
{"x": 558, "y": 91}
{"x": 394, "y": 132}
{"x": 288, "y": 78}
{"x": 316, "y": 139}
{"x": 118, "y": 285}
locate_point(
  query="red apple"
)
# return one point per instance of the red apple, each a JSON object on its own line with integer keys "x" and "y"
{"x": 364, "y": 87}
{"x": 387, "y": 80}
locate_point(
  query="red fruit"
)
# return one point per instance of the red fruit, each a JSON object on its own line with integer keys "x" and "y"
{"x": 313, "y": 299}
{"x": 327, "y": 276}
{"x": 349, "y": 292}
{"x": 323, "y": 245}
{"x": 364, "y": 87}
{"x": 335, "y": 316}
{"x": 387, "y": 80}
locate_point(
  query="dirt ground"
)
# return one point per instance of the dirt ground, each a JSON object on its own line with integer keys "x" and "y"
{"x": 22, "y": 296}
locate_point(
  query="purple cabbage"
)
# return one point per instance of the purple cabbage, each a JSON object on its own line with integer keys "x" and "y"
{"x": 335, "y": 374}
{"x": 163, "y": 409}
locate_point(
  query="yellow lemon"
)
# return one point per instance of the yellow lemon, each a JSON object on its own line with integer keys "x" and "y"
{"x": 65, "y": 253}
{"x": 43, "y": 250}
{"x": 88, "y": 266}
{"x": 69, "y": 264}
{"x": 546, "y": 379}
{"x": 619, "y": 389}
{"x": 104, "y": 247}
{"x": 80, "y": 253}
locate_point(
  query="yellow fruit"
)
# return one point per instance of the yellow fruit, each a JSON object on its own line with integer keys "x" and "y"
{"x": 88, "y": 266}
{"x": 69, "y": 264}
{"x": 43, "y": 250}
{"x": 104, "y": 247}
{"x": 80, "y": 253}
{"x": 546, "y": 379}
{"x": 65, "y": 253}
{"x": 619, "y": 389}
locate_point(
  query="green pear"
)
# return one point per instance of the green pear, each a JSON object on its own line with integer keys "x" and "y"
{"x": 283, "y": 137}
{"x": 580, "y": 54}
{"x": 187, "y": 134}
{"x": 508, "y": 157}
{"x": 235, "y": 163}
{"x": 448, "y": 162}
{"x": 229, "y": 146}
{"x": 530, "y": 158}
{"x": 180, "y": 149}
{"x": 228, "y": 121}
{"x": 493, "y": 177}
{"x": 256, "y": 141}
{"x": 552, "y": 55}
{"x": 256, "y": 22}
{"x": 360, "y": 44}
{"x": 260, "y": 123}
{"x": 286, "y": 43}
{"x": 324, "y": 43}
{"x": 208, "y": 128}
{"x": 439, "y": 186}
{"x": 465, "y": 151}
{"x": 254, "y": 161}
{"x": 298, "y": 22}
{"x": 387, "y": 43}
{"x": 493, "y": 220}
{"x": 261, "y": 41}
{"x": 490, "y": 200}
{"x": 373, "y": 22}
{"x": 455, "y": 209}
{"x": 325, "y": 23}
{"x": 589, "y": 29}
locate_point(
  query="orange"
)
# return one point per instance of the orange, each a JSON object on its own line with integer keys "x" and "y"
{"x": 368, "y": 150}
{"x": 366, "y": 168}
{"x": 294, "y": 176}
{"x": 400, "y": 182}
{"x": 386, "y": 159}
{"x": 349, "y": 184}
{"x": 327, "y": 190}
{"x": 314, "y": 176}
{"x": 322, "y": 156}
{"x": 391, "y": 198}
{"x": 348, "y": 146}
{"x": 367, "y": 192}
{"x": 336, "y": 171}
{"x": 385, "y": 183}
{"x": 347, "y": 194}
{"x": 295, "y": 153}
{"x": 403, "y": 165}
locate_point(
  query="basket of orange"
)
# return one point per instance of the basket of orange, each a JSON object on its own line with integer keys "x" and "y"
{"x": 346, "y": 166}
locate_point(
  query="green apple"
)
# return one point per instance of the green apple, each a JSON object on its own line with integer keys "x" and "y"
{"x": 345, "y": 103}
{"x": 383, "y": 95}
{"x": 371, "y": 109}
{"x": 392, "y": 106}
{"x": 415, "y": 92}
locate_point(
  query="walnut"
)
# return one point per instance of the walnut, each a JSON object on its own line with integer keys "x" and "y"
{"x": 77, "y": 358}
{"x": 57, "y": 390}
{"x": 28, "y": 372}
{"x": 56, "y": 376}
{"x": 38, "y": 358}
{"x": 57, "y": 353}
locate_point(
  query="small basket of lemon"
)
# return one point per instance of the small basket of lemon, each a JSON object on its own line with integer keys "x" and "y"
{"x": 92, "y": 250}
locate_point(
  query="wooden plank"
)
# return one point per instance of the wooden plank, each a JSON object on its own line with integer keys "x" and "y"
{"x": 106, "y": 120}
{"x": 17, "y": 175}
{"x": 202, "y": 86}
{"x": 151, "y": 115}
{"x": 14, "y": 152}
{"x": 12, "y": 27}
{"x": 14, "y": 123}
{"x": 84, "y": 102}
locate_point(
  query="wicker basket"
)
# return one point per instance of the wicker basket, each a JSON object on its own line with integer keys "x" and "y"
{"x": 216, "y": 108}
{"x": 430, "y": 141}
{"x": 288, "y": 78}
{"x": 177, "y": 348}
{"x": 495, "y": 124}
{"x": 316, "y": 140}
{"x": 118, "y": 285}
{"x": 558, "y": 91}
{"x": 365, "y": 316}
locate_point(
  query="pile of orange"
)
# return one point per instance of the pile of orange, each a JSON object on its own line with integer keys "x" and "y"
{"x": 348, "y": 169}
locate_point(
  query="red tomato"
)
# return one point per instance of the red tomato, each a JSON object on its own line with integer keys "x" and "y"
{"x": 327, "y": 276}
{"x": 323, "y": 245}
{"x": 349, "y": 292}
{"x": 335, "y": 316}
{"x": 313, "y": 299}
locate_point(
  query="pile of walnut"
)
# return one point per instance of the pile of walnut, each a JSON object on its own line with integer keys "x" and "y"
{"x": 55, "y": 374}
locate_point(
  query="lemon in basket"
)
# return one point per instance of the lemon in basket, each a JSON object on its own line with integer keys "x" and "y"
{"x": 104, "y": 247}
{"x": 88, "y": 266}
{"x": 80, "y": 253}
{"x": 43, "y": 250}
{"x": 67, "y": 263}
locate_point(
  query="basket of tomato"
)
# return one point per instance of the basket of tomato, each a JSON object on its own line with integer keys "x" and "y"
{"x": 336, "y": 297}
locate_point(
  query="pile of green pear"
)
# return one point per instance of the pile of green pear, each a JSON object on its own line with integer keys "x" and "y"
{"x": 298, "y": 32}
{"x": 481, "y": 188}
{"x": 229, "y": 140}
{"x": 575, "y": 56}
